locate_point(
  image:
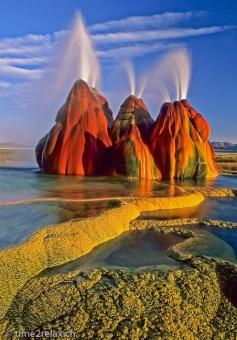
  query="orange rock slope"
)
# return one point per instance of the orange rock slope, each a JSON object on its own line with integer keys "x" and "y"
{"x": 179, "y": 143}
{"x": 133, "y": 108}
{"x": 79, "y": 139}
{"x": 131, "y": 157}
{"x": 86, "y": 141}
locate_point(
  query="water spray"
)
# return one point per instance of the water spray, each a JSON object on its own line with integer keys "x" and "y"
{"x": 129, "y": 67}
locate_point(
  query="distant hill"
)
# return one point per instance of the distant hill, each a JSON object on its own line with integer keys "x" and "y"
{"x": 224, "y": 146}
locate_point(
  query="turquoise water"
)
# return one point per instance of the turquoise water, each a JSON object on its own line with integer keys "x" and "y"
{"x": 30, "y": 200}
{"x": 29, "y": 183}
{"x": 228, "y": 235}
{"x": 18, "y": 222}
{"x": 218, "y": 182}
{"x": 132, "y": 250}
{"x": 139, "y": 250}
{"x": 214, "y": 242}
{"x": 48, "y": 199}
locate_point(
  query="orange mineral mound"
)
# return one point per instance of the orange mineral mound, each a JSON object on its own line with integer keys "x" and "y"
{"x": 133, "y": 108}
{"x": 179, "y": 143}
{"x": 131, "y": 157}
{"x": 78, "y": 141}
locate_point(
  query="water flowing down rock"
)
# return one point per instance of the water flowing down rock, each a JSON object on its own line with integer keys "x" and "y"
{"x": 78, "y": 141}
{"x": 179, "y": 143}
{"x": 133, "y": 108}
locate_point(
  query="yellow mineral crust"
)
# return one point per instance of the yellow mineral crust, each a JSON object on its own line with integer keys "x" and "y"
{"x": 57, "y": 244}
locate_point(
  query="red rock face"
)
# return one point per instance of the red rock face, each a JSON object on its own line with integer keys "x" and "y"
{"x": 78, "y": 141}
{"x": 131, "y": 157}
{"x": 179, "y": 143}
{"x": 86, "y": 141}
{"x": 133, "y": 109}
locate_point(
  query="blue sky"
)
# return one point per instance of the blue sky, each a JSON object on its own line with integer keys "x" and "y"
{"x": 141, "y": 30}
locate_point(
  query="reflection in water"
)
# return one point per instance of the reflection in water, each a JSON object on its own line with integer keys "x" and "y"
{"x": 216, "y": 209}
{"x": 17, "y": 184}
{"x": 132, "y": 250}
{"x": 212, "y": 242}
{"x": 146, "y": 187}
{"x": 143, "y": 249}
{"x": 18, "y": 222}
{"x": 228, "y": 235}
{"x": 220, "y": 181}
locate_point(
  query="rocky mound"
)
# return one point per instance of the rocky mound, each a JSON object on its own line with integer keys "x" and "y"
{"x": 131, "y": 157}
{"x": 79, "y": 139}
{"x": 133, "y": 109}
{"x": 179, "y": 143}
{"x": 85, "y": 139}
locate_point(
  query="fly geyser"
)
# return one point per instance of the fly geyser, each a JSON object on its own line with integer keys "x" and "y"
{"x": 86, "y": 141}
{"x": 179, "y": 143}
{"x": 130, "y": 154}
{"x": 77, "y": 142}
{"x": 134, "y": 110}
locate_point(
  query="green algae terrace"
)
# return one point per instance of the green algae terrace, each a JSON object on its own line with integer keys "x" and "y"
{"x": 104, "y": 303}
{"x": 188, "y": 295}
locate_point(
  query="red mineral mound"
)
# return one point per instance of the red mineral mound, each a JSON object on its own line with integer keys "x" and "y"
{"x": 133, "y": 108}
{"x": 131, "y": 157}
{"x": 78, "y": 141}
{"x": 179, "y": 143}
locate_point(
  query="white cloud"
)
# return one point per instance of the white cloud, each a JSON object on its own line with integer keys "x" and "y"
{"x": 23, "y": 61}
{"x": 135, "y": 50}
{"x": 19, "y": 73}
{"x": 4, "y": 84}
{"x": 26, "y": 57}
{"x": 22, "y": 58}
{"x": 142, "y": 22}
{"x": 23, "y": 50}
{"x": 25, "y": 40}
{"x": 31, "y": 43}
{"x": 138, "y": 36}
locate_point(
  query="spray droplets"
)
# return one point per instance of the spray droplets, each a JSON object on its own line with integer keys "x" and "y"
{"x": 79, "y": 60}
{"x": 129, "y": 68}
{"x": 170, "y": 76}
{"x": 176, "y": 66}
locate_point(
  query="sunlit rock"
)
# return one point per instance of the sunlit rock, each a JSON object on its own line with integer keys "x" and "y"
{"x": 78, "y": 141}
{"x": 133, "y": 108}
{"x": 179, "y": 143}
{"x": 131, "y": 157}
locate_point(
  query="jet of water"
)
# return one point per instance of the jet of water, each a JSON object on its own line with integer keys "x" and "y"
{"x": 176, "y": 70}
{"x": 129, "y": 68}
{"x": 142, "y": 85}
{"x": 78, "y": 57}
{"x": 169, "y": 77}
{"x": 72, "y": 56}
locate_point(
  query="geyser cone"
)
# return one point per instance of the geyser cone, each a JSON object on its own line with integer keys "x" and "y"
{"x": 105, "y": 106}
{"x": 133, "y": 109}
{"x": 132, "y": 158}
{"x": 179, "y": 143}
{"x": 77, "y": 142}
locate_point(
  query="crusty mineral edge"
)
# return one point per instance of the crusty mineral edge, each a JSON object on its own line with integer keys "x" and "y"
{"x": 60, "y": 243}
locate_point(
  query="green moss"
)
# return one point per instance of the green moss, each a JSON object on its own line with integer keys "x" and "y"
{"x": 201, "y": 165}
{"x": 106, "y": 304}
{"x": 131, "y": 161}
